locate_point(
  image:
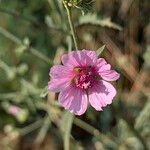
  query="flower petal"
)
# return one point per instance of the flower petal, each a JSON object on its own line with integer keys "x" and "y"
{"x": 56, "y": 85}
{"x": 101, "y": 94}
{"x": 60, "y": 71}
{"x": 102, "y": 65}
{"x": 105, "y": 71}
{"x": 101, "y": 62}
{"x": 79, "y": 58}
{"x": 73, "y": 99}
{"x": 109, "y": 75}
{"x": 92, "y": 55}
{"x": 61, "y": 77}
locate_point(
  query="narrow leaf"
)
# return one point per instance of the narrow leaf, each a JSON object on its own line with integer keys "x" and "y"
{"x": 44, "y": 92}
{"x": 93, "y": 19}
{"x": 100, "y": 50}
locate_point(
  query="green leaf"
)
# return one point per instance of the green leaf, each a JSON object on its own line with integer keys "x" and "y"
{"x": 67, "y": 121}
{"x": 93, "y": 19}
{"x": 44, "y": 92}
{"x": 100, "y": 50}
{"x": 49, "y": 22}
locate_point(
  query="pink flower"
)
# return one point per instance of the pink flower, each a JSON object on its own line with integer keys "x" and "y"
{"x": 82, "y": 79}
{"x": 13, "y": 110}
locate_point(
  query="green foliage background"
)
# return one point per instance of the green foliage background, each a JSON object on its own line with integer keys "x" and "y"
{"x": 33, "y": 36}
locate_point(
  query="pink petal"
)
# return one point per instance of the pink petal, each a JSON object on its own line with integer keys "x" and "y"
{"x": 92, "y": 55}
{"x": 101, "y": 62}
{"x": 102, "y": 65}
{"x": 73, "y": 99}
{"x": 101, "y": 95}
{"x": 14, "y": 110}
{"x": 105, "y": 71}
{"x": 56, "y": 85}
{"x": 79, "y": 58}
{"x": 109, "y": 75}
{"x": 61, "y": 77}
{"x": 60, "y": 71}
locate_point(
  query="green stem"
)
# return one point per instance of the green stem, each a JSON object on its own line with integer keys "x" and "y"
{"x": 43, "y": 131}
{"x": 26, "y": 130}
{"x": 4, "y": 96}
{"x": 73, "y": 32}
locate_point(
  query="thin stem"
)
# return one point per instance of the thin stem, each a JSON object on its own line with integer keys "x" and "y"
{"x": 4, "y": 96}
{"x": 43, "y": 131}
{"x": 26, "y": 130}
{"x": 73, "y": 32}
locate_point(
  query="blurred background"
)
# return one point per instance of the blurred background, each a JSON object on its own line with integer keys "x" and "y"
{"x": 33, "y": 36}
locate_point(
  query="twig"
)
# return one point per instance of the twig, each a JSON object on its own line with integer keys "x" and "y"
{"x": 43, "y": 131}
{"x": 30, "y": 127}
{"x": 4, "y": 96}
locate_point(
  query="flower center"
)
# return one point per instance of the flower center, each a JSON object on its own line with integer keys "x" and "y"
{"x": 85, "y": 77}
